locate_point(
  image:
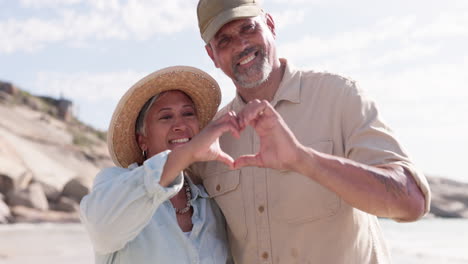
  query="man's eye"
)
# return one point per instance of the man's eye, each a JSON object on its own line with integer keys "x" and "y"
{"x": 249, "y": 28}
{"x": 223, "y": 42}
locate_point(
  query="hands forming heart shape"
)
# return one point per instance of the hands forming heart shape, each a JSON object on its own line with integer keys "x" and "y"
{"x": 278, "y": 145}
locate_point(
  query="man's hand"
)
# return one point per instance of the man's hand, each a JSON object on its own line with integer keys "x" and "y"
{"x": 278, "y": 145}
{"x": 386, "y": 191}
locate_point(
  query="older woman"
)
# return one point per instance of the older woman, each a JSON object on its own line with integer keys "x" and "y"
{"x": 147, "y": 210}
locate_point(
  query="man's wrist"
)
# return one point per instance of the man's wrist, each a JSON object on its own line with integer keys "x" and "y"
{"x": 304, "y": 160}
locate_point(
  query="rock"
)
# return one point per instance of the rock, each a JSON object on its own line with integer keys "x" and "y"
{"x": 52, "y": 193}
{"x": 449, "y": 197}
{"x": 33, "y": 102}
{"x": 13, "y": 171}
{"x": 6, "y": 184}
{"x": 5, "y": 97}
{"x": 77, "y": 188}
{"x": 65, "y": 204}
{"x": 33, "y": 197}
{"x": 24, "y": 214}
{"x": 5, "y": 213}
{"x": 8, "y": 88}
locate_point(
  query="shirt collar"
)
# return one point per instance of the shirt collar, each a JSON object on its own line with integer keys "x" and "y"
{"x": 290, "y": 86}
{"x": 288, "y": 90}
{"x": 196, "y": 191}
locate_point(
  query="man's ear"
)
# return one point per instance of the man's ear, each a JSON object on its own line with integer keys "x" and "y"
{"x": 270, "y": 23}
{"x": 209, "y": 50}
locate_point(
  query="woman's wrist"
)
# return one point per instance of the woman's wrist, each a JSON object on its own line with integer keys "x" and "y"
{"x": 177, "y": 161}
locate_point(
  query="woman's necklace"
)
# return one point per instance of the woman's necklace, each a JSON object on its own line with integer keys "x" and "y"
{"x": 188, "y": 193}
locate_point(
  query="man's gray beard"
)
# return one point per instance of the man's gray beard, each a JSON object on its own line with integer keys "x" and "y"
{"x": 263, "y": 69}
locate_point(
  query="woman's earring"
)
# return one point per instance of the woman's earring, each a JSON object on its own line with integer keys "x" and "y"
{"x": 144, "y": 154}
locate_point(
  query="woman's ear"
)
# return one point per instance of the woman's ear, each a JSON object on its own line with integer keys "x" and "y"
{"x": 142, "y": 142}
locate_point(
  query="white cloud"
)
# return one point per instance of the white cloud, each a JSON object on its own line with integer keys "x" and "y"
{"x": 347, "y": 42}
{"x": 47, "y": 3}
{"x": 288, "y": 17}
{"x": 302, "y": 1}
{"x": 105, "y": 4}
{"x": 408, "y": 52}
{"x": 28, "y": 35}
{"x": 100, "y": 20}
{"x": 446, "y": 25}
{"x": 85, "y": 86}
{"x": 145, "y": 18}
{"x": 392, "y": 40}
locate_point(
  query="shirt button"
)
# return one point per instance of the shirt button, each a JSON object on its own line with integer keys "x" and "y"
{"x": 265, "y": 255}
{"x": 218, "y": 187}
{"x": 261, "y": 208}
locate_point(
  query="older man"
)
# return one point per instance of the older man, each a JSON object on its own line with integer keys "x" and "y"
{"x": 316, "y": 163}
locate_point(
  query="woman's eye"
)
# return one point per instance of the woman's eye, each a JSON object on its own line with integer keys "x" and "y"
{"x": 189, "y": 114}
{"x": 165, "y": 117}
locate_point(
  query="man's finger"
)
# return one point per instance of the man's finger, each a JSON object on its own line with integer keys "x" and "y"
{"x": 247, "y": 161}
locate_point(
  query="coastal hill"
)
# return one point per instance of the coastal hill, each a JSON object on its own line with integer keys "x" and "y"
{"x": 48, "y": 160}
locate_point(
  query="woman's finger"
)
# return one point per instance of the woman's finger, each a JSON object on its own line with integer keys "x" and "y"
{"x": 226, "y": 159}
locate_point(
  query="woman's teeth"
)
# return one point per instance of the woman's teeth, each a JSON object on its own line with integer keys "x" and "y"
{"x": 181, "y": 140}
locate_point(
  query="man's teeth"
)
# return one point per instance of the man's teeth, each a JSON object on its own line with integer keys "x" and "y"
{"x": 247, "y": 60}
{"x": 182, "y": 140}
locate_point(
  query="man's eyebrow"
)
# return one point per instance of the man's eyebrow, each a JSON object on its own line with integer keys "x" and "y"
{"x": 218, "y": 35}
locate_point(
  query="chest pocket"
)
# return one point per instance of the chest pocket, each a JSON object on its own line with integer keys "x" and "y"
{"x": 225, "y": 188}
{"x": 300, "y": 199}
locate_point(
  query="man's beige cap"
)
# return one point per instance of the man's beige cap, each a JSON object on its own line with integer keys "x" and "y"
{"x": 213, "y": 14}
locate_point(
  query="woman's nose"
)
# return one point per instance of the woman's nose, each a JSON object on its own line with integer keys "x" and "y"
{"x": 179, "y": 124}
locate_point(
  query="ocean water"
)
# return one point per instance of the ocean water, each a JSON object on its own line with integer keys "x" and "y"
{"x": 428, "y": 241}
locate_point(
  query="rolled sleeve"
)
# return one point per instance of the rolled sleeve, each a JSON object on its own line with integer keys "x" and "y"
{"x": 370, "y": 141}
{"x": 108, "y": 211}
{"x": 153, "y": 168}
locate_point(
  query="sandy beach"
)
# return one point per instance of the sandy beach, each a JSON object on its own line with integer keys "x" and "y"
{"x": 429, "y": 241}
{"x": 44, "y": 244}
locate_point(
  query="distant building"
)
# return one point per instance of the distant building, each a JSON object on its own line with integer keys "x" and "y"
{"x": 65, "y": 108}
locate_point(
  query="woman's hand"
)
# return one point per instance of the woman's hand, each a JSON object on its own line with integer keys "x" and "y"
{"x": 205, "y": 145}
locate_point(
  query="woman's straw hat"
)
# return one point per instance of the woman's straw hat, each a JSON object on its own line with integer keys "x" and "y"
{"x": 197, "y": 84}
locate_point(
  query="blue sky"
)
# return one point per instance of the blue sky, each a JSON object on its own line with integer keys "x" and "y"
{"x": 410, "y": 56}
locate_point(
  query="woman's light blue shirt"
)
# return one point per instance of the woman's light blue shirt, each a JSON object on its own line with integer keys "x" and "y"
{"x": 130, "y": 219}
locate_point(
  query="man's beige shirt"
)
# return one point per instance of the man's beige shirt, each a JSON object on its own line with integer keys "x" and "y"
{"x": 283, "y": 217}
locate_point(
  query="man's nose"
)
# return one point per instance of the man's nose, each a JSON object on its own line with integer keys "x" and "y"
{"x": 241, "y": 44}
